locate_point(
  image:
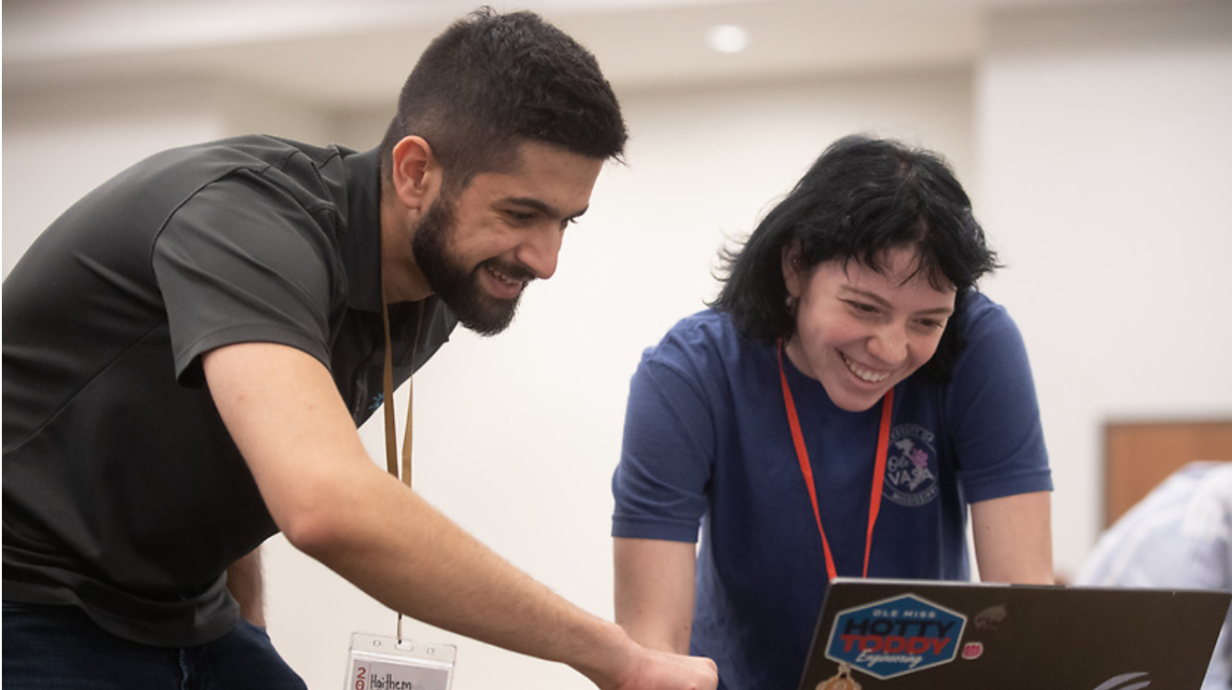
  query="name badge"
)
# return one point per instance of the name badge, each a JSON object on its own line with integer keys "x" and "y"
{"x": 385, "y": 663}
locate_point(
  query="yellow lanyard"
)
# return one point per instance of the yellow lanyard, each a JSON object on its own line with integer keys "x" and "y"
{"x": 391, "y": 436}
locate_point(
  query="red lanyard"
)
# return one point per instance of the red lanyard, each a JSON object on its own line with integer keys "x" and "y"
{"x": 883, "y": 448}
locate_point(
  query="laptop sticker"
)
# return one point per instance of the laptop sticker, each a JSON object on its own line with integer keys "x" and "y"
{"x": 896, "y": 636}
{"x": 990, "y": 618}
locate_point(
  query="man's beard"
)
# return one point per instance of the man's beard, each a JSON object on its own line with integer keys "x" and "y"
{"x": 457, "y": 287}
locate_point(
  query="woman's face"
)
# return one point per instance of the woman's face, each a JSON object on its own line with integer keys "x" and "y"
{"x": 859, "y": 331}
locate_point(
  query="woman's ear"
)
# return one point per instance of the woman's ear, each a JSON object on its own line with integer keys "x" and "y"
{"x": 794, "y": 271}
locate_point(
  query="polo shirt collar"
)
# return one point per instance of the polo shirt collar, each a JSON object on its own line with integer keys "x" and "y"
{"x": 361, "y": 242}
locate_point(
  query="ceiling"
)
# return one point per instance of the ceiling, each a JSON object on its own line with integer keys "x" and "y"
{"x": 342, "y": 53}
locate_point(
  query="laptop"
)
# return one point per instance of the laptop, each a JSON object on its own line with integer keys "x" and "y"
{"x": 930, "y": 635}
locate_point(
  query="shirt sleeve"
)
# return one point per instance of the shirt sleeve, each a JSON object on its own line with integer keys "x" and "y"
{"x": 243, "y": 261}
{"x": 661, "y": 483}
{"x": 996, "y": 430}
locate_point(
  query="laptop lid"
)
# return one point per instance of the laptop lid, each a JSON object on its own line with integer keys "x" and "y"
{"x": 925, "y": 635}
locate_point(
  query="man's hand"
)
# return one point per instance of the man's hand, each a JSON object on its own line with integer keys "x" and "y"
{"x": 617, "y": 662}
{"x": 664, "y": 671}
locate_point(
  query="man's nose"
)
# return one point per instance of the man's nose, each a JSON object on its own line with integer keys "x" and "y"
{"x": 541, "y": 251}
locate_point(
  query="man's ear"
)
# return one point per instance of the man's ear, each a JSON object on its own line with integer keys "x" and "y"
{"x": 416, "y": 173}
{"x": 794, "y": 273}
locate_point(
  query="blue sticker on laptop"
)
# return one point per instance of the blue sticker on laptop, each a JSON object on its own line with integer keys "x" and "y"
{"x": 896, "y": 636}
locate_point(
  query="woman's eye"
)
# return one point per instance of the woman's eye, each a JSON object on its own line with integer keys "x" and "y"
{"x": 863, "y": 308}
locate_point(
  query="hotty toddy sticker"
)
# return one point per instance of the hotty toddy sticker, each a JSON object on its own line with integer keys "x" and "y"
{"x": 896, "y": 636}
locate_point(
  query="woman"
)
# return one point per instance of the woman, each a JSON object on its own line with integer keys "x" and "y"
{"x": 836, "y": 412}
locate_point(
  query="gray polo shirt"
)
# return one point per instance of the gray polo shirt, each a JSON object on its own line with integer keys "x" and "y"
{"x": 123, "y": 492}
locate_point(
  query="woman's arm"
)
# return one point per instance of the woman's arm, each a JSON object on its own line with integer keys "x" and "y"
{"x": 1013, "y": 538}
{"x": 654, "y": 591}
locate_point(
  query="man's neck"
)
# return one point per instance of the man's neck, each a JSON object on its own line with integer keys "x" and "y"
{"x": 401, "y": 279}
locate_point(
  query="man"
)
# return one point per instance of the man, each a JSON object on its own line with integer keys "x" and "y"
{"x": 189, "y": 350}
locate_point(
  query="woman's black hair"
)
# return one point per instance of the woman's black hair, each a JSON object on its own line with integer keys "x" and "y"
{"x": 862, "y": 197}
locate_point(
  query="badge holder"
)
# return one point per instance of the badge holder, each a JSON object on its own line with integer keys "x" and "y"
{"x": 385, "y": 663}
{"x": 397, "y": 663}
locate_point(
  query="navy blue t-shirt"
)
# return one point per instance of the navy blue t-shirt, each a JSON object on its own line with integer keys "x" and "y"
{"x": 707, "y": 443}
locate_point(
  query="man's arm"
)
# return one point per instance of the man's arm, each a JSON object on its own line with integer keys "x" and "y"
{"x": 654, "y": 591}
{"x": 244, "y": 579}
{"x": 1013, "y": 538}
{"x": 332, "y": 502}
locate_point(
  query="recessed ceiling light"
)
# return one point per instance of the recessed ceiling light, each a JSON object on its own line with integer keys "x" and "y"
{"x": 727, "y": 38}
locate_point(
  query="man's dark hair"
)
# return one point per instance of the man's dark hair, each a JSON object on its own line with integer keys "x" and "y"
{"x": 493, "y": 81}
{"x": 861, "y": 197}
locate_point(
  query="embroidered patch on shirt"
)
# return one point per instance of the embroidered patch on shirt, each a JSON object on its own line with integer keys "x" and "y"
{"x": 911, "y": 468}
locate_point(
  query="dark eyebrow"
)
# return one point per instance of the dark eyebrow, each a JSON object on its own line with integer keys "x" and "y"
{"x": 943, "y": 311}
{"x": 872, "y": 297}
{"x": 544, "y": 208}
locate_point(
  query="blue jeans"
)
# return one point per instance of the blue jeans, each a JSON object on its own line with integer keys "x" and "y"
{"x": 60, "y": 648}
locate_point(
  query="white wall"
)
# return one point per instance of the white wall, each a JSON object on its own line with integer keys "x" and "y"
{"x": 1095, "y": 145}
{"x": 1104, "y": 140}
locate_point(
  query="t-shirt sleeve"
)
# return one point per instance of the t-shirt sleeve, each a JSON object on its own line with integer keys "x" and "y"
{"x": 243, "y": 261}
{"x": 661, "y": 483}
{"x": 997, "y": 434}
